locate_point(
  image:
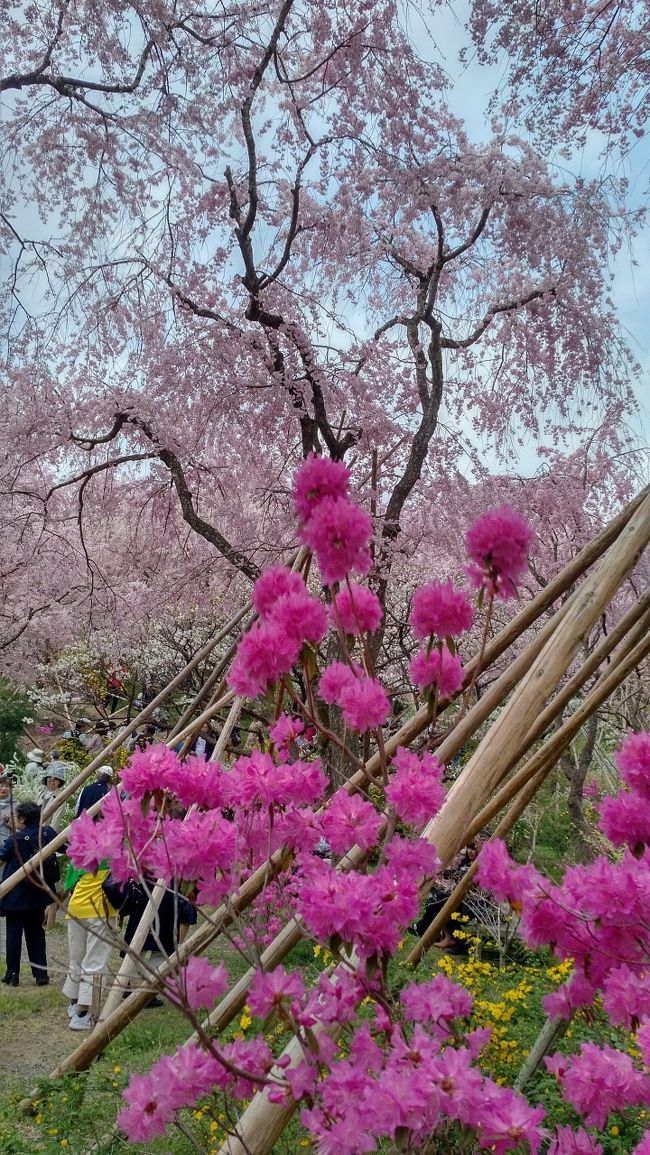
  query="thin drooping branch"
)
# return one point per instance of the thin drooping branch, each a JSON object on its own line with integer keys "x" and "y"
{"x": 173, "y": 464}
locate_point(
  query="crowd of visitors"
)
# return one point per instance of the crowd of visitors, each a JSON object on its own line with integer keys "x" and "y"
{"x": 92, "y": 907}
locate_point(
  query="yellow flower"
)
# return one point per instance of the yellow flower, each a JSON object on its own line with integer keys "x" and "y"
{"x": 245, "y": 1022}
{"x": 64, "y": 1143}
{"x": 613, "y": 1130}
{"x": 117, "y": 1069}
{"x": 317, "y": 951}
{"x": 53, "y": 1130}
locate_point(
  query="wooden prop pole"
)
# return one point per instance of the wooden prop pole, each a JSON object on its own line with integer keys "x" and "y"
{"x": 525, "y": 783}
{"x": 207, "y": 686}
{"x": 607, "y": 682}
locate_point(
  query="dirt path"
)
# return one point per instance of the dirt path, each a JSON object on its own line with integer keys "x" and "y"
{"x": 34, "y": 1027}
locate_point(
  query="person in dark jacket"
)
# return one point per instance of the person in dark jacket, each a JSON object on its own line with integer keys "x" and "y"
{"x": 168, "y": 929}
{"x": 95, "y": 790}
{"x": 24, "y": 906}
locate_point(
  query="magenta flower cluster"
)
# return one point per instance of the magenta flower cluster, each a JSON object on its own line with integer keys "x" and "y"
{"x": 333, "y": 527}
{"x": 598, "y": 917}
{"x": 409, "y": 1069}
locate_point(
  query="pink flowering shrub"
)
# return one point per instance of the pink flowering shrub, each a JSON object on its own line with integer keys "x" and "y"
{"x": 596, "y": 916}
{"x": 409, "y": 1069}
{"x": 498, "y": 544}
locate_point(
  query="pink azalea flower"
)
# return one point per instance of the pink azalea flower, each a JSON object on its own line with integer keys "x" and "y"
{"x": 358, "y": 610}
{"x": 263, "y": 654}
{"x": 498, "y": 544}
{"x": 436, "y": 1002}
{"x": 438, "y": 609}
{"x": 301, "y": 617}
{"x": 415, "y": 788}
{"x": 334, "y": 680}
{"x": 269, "y": 989}
{"x": 566, "y": 1141}
{"x": 441, "y": 668}
{"x": 364, "y": 704}
{"x": 633, "y": 761}
{"x": 275, "y": 583}
{"x": 643, "y": 1148}
{"x": 599, "y": 1080}
{"x": 625, "y": 820}
{"x": 201, "y": 983}
{"x": 626, "y": 995}
{"x": 338, "y": 534}
{"x": 318, "y": 478}
{"x": 284, "y": 732}
{"x": 349, "y": 819}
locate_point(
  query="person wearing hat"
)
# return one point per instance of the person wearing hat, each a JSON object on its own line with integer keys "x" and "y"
{"x": 95, "y": 790}
{"x": 53, "y": 782}
{"x": 35, "y": 760}
{"x": 7, "y": 805}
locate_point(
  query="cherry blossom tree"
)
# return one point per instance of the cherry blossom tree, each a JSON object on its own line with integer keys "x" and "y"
{"x": 262, "y": 232}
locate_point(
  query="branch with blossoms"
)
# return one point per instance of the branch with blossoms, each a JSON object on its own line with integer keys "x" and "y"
{"x": 239, "y": 817}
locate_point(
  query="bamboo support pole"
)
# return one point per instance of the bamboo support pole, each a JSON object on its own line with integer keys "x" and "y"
{"x": 525, "y": 783}
{"x": 603, "y": 688}
{"x": 207, "y": 686}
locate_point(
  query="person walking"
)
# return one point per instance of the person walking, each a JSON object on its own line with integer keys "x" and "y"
{"x": 7, "y": 816}
{"x": 90, "y": 924}
{"x": 95, "y": 790}
{"x": 23, "y": 907}
{"x": 53, "y": 782}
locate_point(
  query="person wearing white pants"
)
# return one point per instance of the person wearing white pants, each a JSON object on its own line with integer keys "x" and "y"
{"x": 91, "y": 938}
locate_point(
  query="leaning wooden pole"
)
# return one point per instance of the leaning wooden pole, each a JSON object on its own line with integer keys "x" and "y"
{"x": 523, "y": 786}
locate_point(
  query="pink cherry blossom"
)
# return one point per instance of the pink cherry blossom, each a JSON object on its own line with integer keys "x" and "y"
{"x": 438, "y": 609}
